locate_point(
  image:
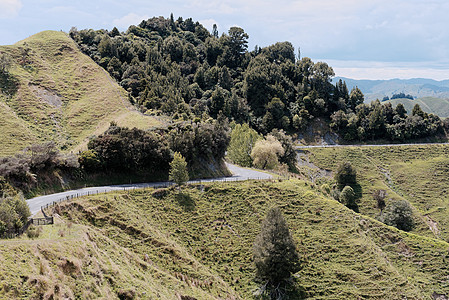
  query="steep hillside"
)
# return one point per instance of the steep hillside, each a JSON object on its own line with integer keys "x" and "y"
{"x": 198, "y": 243}
{"x": 61, "y": 95}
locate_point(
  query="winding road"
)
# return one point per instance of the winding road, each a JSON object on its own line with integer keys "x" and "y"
{"x": 299, "y": 147}
{"x": 239, "y": 174}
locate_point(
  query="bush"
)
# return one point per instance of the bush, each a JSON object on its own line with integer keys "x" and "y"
{"x": 266, "y": 153}
{"x": 399, "y": 214}
{"x": 178, "y": 169}
{"x": 33, "y": 231}
{"x": 345, "y": 175}
{"x": 14, "y": 212}
{"x": 243, "y": 139}
{"x": 347, "y": 197}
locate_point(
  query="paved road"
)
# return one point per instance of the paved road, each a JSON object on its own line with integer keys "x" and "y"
{"x": 238, "y": 175}
{"x": 298, "y": 147}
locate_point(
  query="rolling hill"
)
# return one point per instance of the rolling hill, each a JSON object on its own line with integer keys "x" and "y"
{"x": 61, "y": 95}
{"x": 437, "y": 106}
{"x": 417, "y": 87}
{"x": 196, "y": 244}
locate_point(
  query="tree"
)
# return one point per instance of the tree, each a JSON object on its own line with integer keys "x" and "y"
{"x": 345, "y": 175}
{"x": 178, "y": 169}
{"x": 243, "y": 139}
{"x": 274, "y": 253}
{"x": 266, "y": 153}
{"x": 355, "y": 98}
{"x": 215, "y": 31}
{"x": 347, "y": 197}
{"x": 399, "y": 214}
{"x": 379, "y": 196}
{"x": 289, "y": 156}
{"x": 5, "y": 63}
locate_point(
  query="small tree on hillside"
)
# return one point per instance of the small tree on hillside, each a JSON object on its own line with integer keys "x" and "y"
{"x": 379, "y": 196}
{"x": 243, "y": 139}
{"x": 5, "y": 63}
{"x": 266, "y": 153}
{"x": 178, "y": 169}
{"x": 399, "y": 214}
{"x": 345, "y": 175}
{"x": 274, "y": 254}
{"x": 347, "y": 197}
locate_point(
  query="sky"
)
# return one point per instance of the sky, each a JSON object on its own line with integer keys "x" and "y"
{"x": 376, "y": 39}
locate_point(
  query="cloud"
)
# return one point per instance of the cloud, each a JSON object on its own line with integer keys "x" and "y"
{"x": 389, "y": 70}
{"x": 209, "y": 23}
{"x": 130, "y": 19}
{"x": 9, "y": 8}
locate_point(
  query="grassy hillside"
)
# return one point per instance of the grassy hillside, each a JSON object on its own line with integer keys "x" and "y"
{"x": 418, "y": 174}
{"x": 62, "y": 95}
{"x": 198, "y": 243}
{"x": 437, "y": 106}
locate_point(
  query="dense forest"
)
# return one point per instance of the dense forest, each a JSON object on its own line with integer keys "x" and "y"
{"x": 178, "y": 68}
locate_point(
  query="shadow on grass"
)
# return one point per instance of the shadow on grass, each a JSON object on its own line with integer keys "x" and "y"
{"x": 358, "y": 191}
{"x": 185, "y": 201}
{"x": 289, "y": 289}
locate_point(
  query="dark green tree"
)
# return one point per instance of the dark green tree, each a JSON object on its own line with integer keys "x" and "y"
{"x": 215, "y": 31}
{"x": 347, "y": 197}
{"x": 345, "y": 175}
{"x": 356, "y": 97}
{"x": 399, "y": 214}
{"x": 274, "y": 253}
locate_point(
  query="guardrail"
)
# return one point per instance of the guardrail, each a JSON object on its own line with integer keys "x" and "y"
{"x": 154, "y": 186}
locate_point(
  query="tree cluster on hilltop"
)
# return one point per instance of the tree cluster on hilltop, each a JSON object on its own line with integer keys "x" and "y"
{"x": 179, "y": 68}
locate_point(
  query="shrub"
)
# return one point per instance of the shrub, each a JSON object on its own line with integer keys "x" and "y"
{"x": 399, "y": 214}
{"x": 347, "y": 197}
{"x": 33, "y": 231}
{"x": 178, "y": 170}
{"x": 14, "y": 212}
{"x": 266, "y": 153}
{"x": 345, "y": 175}
{"x": 379, "y": 196}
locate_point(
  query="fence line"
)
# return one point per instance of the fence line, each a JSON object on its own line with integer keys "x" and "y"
{"x": 154, "y": 186}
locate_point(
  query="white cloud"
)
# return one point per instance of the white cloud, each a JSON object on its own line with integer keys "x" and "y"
{"x": 130, "y": 19}
{"x": 389, "y": 70}
{"x": 9, "y": 8}
{"x": 209, "y": 23}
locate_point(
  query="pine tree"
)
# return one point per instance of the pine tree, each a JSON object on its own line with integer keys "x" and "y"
{"x": 178, "y": 169}
{"x": 274, "y": 252}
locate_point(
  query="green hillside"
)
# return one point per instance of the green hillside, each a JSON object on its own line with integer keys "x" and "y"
{"x": 163, "y": 244}
{"x": 417, "y": 174}
{"x": 437, "y": 106}
{"x": 62, "y": 95}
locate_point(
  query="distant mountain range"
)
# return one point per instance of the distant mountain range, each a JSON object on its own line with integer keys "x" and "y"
{"x": 417, "y": 87}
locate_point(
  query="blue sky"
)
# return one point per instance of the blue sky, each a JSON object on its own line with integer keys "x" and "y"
{"x": 376, "y": 39}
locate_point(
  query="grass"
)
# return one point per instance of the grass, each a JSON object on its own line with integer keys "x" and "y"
{"x": 418, "y": 174}
{"x": 63, "y": 96}
{"x": 200, "y": 240}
